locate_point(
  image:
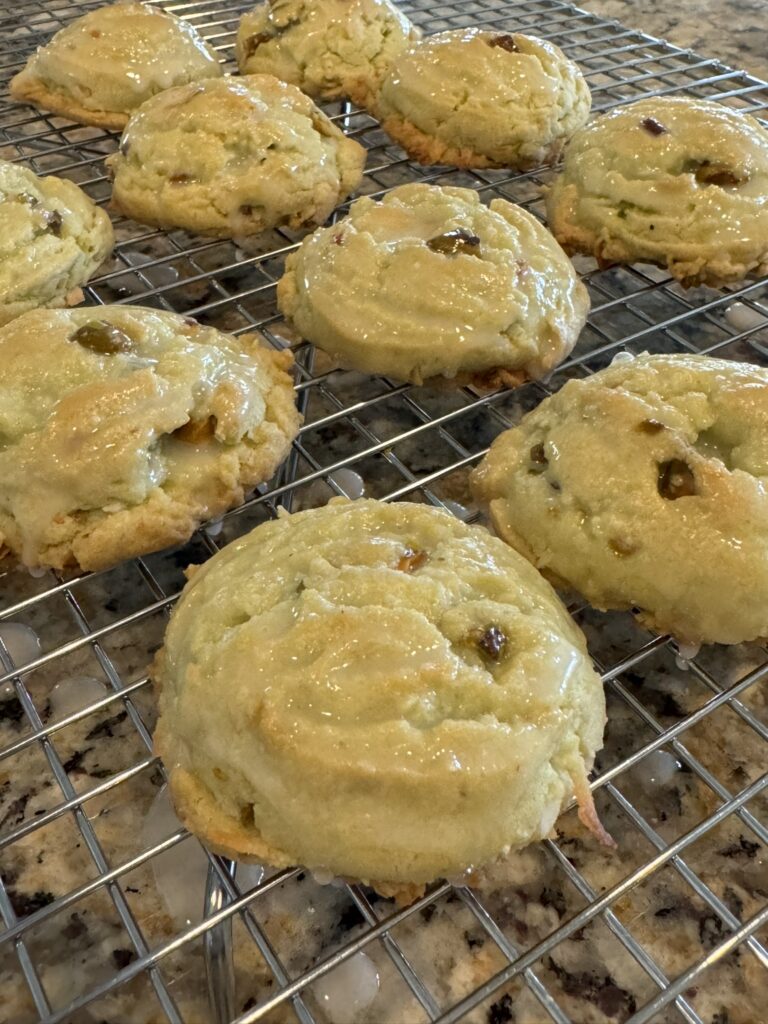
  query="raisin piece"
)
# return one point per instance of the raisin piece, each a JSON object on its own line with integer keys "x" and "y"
{"x": 254, "y": 42}
{"x": 196, "y": 431}
{"x": 454, "y": 242}
{"x": 715, "y": 174}
{"x": 180, "y": 179}
{"x": 653, "y": 127}
{"x": 676, "y": 480}
{"x": 621, "y": 546}
{"x": 650, "y": 427}
{"x": 27, "y": 199}
{"x": 412, "y": 560}
{"x": 103, "y": 338}
{"x": 505, "y": 43}
{"x": 246, "y": 209}
{"x": 539, "y": 460}
{"x": 53, "y": 222}
{"x": 492, "y": 642}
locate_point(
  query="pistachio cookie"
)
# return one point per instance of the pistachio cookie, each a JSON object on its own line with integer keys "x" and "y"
{"x": 330, "y": 49}
{"x": 430, "y": 283}
{"x": 644, "y": 487}
{"x": 414, "y": 685}
{"x": 102, "y": 66}
{"x": 473, "y": 98}
{"x": 231, "y": 157}
{"x": 124, "y": 428}
{"x": 52, "y": 239}
{"x": 673, "y": 180}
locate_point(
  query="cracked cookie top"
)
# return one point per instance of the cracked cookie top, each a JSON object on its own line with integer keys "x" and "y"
{"x": 101, "y": 67}
{"x": 232, "y": 156}
{"x": 414, "y": 684}
{"x": 645, "y": 487}
{"x": 672, "y": 180}
{"x": 331, "y": 49}
{"x": 52, "y": 238}
{"x": 476, "y": 98}
{"x": 429, "y": 282}
{"x": 123, "y": 428}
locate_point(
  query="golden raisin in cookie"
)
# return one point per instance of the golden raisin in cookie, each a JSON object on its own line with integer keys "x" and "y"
{"x": 232, "y": 157}
{"x": 102, "y": 66}
{"x": 644, "y": 487}
{"x": 330, "y": 49}
{"x": 673, "y": 180}
{"x": 144, "y": 425}
{"x": 425, "y": 717}
{"x": 52, "y": 239}
{"x": 431, "y": 283}
{"x": 475, "y": 98}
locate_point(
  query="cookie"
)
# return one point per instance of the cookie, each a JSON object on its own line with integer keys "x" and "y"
{"x": 330, "y": 49}
{"x": 672, "y": 180}
{"x": 430, "y": 283}
{"x": 53, "y": 238}
{"x": 231, "y": 157}
{"x": 143, "y": 425}
{"x": 101, "y": 67}
{"x": 374, "y": 691}
{"x": 474, "y": 98}
{"x": 644, "y": 487}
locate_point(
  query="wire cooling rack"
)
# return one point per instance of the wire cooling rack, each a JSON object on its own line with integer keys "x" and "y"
{"x": 673, "y": 926}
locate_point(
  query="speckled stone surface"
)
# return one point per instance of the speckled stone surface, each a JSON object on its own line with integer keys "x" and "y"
{"x": 734, "y": 31}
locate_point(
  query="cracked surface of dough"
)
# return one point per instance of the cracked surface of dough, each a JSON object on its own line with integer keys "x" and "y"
{"x": 474, "y": 98}
{"x": 644, "y": 486}
{"x": 509, "y": 310}
{"x": 52, "y": 239}
{"x": 111, "y": 454}
{"x": 102, "y": 66}
{"x": 672, "y": 180}
{"x": 330, "y": 49}
{"x": 231, "y": 157}
{"x": 323, "y": 703}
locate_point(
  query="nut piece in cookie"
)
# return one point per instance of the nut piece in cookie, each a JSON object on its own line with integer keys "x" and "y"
{"x": 676, "y": 181}
{"x": 232, "y": 157}
{"x": 52, "y": 239}
{"x": 330, "y": 49}
{"x": 497, "y": 302}
{"x": 644, "y": 487}
{"x": 144, "y": 425}
{"x": 425, "y": 719}
{"x": 102, "y": 66}
{"x": 476, "y": 98}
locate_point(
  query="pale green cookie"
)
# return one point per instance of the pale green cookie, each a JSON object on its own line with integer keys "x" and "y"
{"x": 474, "y": 98}
{"x": 331, "y": 49}
{"x": 672, "y": 180}
{"x": 52, "y": 239}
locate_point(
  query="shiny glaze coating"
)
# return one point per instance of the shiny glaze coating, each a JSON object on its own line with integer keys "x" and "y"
{"x": 325, "y": 703}
{"x": 111, "y": 450}
{"x": 102, "y": 66}
{"x": 644, "y": 487}
{"x": 692, "y": 197}
{"x": 497, "y": 297}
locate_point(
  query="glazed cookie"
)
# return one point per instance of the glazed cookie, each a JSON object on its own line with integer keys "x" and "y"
{"x": 473, "y": 98}
{"x": 430, "y": 283}
{"x": 330, "y": 49}
{"x": 414, "y": 685}
{"x": 102, "y": 66}
{"x": 672, "y": 180}
{"x": 644, "y": 487}
{"x": 143, "y": 425}
{"x": 231, "y": 157}
{"x": 52, "y": 239}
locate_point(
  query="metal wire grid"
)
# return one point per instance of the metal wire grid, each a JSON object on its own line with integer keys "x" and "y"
{"x": 405, "y": 442}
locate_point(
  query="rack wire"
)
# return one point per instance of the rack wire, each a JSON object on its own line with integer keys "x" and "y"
{"x": 671, "y": 927}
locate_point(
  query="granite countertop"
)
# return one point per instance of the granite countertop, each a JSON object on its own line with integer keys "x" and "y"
{"x": 734, "y": 31}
